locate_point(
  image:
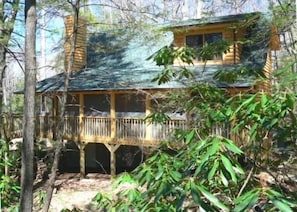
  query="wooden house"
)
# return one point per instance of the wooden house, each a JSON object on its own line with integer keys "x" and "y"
{"x": 111, "y": 84}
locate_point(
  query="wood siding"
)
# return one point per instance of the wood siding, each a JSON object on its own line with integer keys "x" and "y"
{"x": 81, "y": 47}
{"x": 274, "y": 39}
{"x": 265, "y": 84}
{"x": 229, "y": 33}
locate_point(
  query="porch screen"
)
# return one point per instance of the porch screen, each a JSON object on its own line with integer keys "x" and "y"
{"x": 97, "y": 105}
{"x": 72, "y": 105}
{"x": 130, "y": 103}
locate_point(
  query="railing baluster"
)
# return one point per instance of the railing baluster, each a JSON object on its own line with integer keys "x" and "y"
{"x": 126, "y": 127}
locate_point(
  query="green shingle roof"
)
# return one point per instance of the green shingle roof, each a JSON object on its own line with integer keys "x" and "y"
{"x": 117, "y": 60}
{"x": 212, "y": 20}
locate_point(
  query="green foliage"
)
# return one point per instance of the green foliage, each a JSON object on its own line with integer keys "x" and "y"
{"x": 215, "y": 48}
{"x": 271, "y": 201}
{"x": 262, "y": 116}
{"x": 158, "y": 117}
{"x": 9, "y": 191}
{"x": 41, "y": 197}
{"x": 204, "y": 98}
{"x": 236, "y": 74}
{"x": 166, "y": 57}
{"x": 72, "y": 210}
{"x": 169, "y": 180}
{"x": 204, "y": 170}
{"x": 9, "y": 188}
{"x": 16, "y": 102}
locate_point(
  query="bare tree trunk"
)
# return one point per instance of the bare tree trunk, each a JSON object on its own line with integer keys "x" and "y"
{"x": 60, "y": 125}
{"x": 2, "y": 75}
{"x": 26, "y": 201}
{"x": 42, "y": 65}
{"x": 2, "y": 65}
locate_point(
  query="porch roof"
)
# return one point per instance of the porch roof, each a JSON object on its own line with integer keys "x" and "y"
{"x": 129, "y": 79}
{"x": 117, "y": 60}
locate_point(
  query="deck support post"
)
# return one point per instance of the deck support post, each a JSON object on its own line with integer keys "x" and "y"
{"x": 41, "y": 126}
{"x": 112, "y": 149}
{"x": 82, "y": 159}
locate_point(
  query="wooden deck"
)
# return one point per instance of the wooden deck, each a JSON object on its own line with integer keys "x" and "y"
{"x": 90, "y": 129}
{"x": 122, "y": 131}
{"x": 112, "y": 132}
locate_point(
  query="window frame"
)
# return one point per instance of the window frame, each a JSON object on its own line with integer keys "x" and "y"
{"x": 216, "y": 59}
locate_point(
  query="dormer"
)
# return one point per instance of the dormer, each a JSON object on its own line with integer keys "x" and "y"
{"x": 197, "y": 33}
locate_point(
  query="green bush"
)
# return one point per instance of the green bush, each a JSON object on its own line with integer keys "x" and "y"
{"x": 9, "y": 187}
{"x": 235, "y": 170}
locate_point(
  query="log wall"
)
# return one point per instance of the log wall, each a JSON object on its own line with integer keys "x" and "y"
{"x": 81, "y": 43}
{"x": 228, "y": 31}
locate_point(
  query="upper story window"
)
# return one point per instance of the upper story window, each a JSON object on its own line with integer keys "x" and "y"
{"x": 198, "y": 41}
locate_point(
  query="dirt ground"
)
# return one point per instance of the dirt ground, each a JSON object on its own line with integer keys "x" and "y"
{"x": 72, "y": 192}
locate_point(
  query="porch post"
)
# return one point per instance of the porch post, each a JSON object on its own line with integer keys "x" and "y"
{"x": 112, "y": 149}
{"x": 82, "y": 159}
{"x": 81, "y": 117}
{"x": 54, "y": 118}
{"x": 41, "y": 126}
{"x": 112, "y": 115}
{"x": 148, "y": 129}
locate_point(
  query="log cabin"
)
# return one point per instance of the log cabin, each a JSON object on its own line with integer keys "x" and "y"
{"x": 111, "y": 85}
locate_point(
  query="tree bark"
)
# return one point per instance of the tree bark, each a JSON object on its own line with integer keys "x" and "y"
{"x": 60, "y": 126}
{"x": 2, "y": 60}
{"x": 26, "y": 201}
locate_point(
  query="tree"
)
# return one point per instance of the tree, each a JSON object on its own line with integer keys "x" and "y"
{"x": 8, "y": 14}
{"x": 75, "y": 4}
{"x": 7, "y": 20}
{"x": 287, "y": 29}
{"x": 9, "y": 186}
{"x": 26, "y": 201}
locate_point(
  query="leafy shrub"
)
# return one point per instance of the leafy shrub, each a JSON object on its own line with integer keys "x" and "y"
{"x": 9, "y": 187}
{"x": 233, "y": 170}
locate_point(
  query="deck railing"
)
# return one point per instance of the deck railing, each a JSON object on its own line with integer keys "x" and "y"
{"x": 166, "y": 130}
{"x": 130, "y": 128}
{"x": 12, "y": 125}
{"x": 101, "y": 127}
{"x": 71, "y": 126}
{"x": 95, "y": 129}
{"x": 97, "y": 126}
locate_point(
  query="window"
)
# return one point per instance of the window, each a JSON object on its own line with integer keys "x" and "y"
{"x": 198, "y": 41}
